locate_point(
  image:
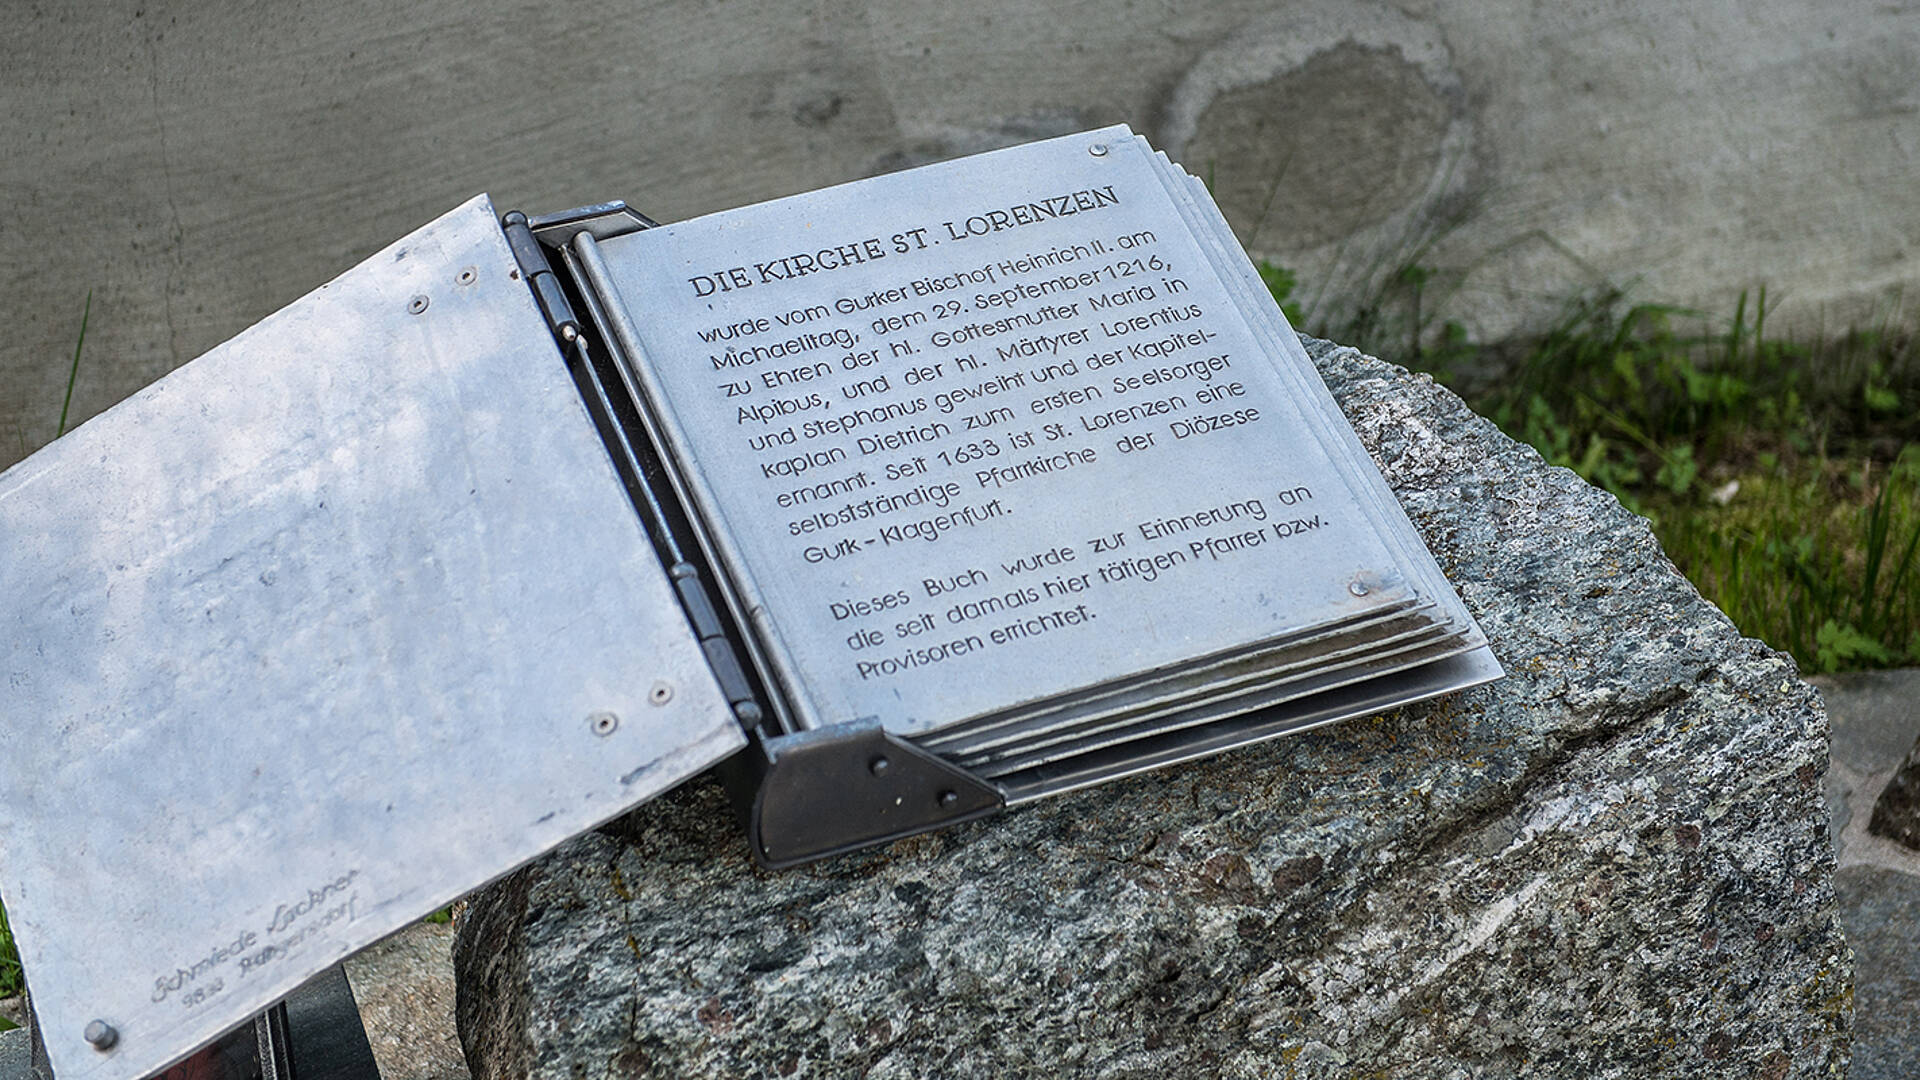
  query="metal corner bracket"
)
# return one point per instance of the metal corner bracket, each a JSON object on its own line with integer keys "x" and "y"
{"x": 835, "y": 789}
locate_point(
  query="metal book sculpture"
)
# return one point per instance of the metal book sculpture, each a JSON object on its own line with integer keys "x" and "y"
{"x": 900, "y": 502}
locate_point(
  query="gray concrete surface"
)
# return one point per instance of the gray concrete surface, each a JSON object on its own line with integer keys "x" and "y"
{"x": 197, "y": 166}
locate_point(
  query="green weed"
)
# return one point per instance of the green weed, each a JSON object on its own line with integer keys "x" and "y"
{"x": 12, "y": 979}
{"x": 1814, "y": 560}
{"x": 1782, "y": 476}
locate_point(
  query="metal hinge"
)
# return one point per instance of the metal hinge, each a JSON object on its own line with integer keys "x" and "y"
{"x": 539, "y": 276}
{"x": 603, "y": 220}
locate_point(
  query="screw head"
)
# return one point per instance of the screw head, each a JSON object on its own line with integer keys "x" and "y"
{"x": 100, "y": 1035}
{"x": 1098, "y": 149}
{"x": 1358, "y": 588}
{"x": 949, "y": 797}
{"x": 603, "y": 723}
{"x": 879, "y": 765}
{"x": 417, "y": 305}
{"x": 468, "y": 276}
{"x": 661, "y": 693}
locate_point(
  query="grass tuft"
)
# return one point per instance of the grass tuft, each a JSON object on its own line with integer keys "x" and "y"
{"x": 1782, "y": 476}
{"x": 74, "y": 373}
{"x": 12, "y": 979}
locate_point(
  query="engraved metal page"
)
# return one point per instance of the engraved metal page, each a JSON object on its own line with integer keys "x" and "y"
{"x": 989, "y": 432}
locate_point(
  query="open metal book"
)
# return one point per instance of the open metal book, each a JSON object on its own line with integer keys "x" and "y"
{"x": 899, "y": 502}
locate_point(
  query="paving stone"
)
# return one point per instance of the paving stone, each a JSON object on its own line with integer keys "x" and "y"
{"x": 1872, "y": 726}
{"x": 1896, "y": 815}
{"x": 404, "y": 987}
{"x": 1881, "y": 909}
{"x": 1875, "y": 716}
{"x": 16, "y": 1055}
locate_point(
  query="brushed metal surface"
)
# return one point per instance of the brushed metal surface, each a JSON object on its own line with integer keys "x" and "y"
{"x": 677, "y": 281}
{"x": 310, "y": 637}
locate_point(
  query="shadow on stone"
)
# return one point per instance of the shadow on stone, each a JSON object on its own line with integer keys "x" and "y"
{"x": 1896, "y": 815}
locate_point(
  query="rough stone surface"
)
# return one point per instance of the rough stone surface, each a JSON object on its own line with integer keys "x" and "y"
{"x": 1614, "y": 863}
{"x": 1882, "y": 913}
{"x": 404, "y": 988}
{"x": 196, "y": 166}
{"x": 1896, "y": 815}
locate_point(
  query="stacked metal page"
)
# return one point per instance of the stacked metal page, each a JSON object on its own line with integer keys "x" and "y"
{"x": 1254, "y": 576}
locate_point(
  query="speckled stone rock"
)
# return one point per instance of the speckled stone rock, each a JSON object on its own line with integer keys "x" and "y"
{"x": 1896, "y": 815}
{"x": 1612, "y": 864}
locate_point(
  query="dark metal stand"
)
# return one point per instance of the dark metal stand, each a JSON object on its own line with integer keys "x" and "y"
{"x": 315, "y": 1034}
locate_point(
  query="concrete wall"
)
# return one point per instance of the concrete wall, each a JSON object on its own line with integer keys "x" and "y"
{"x": 198, "y": 165}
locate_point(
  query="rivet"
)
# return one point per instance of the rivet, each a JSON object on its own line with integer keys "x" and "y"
{"x": 100, "y": 1035}
{"x": 948, "y": 798}
{"x": 603, "y": 723}
{"x": 660, "y": 694}
{"x": 468, "y": 276}
{"x": 417, "y": 305}
{"x": 1358, "y": 588}
{"x": 1098, "y": 149}
{"x": 879, "y": 765}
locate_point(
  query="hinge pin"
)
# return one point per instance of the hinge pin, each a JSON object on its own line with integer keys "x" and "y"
{"x": 539, "y": 276}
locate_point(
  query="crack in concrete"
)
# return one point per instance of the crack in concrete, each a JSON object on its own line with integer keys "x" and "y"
{"x": 175, "y": 231}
